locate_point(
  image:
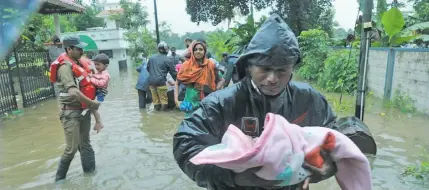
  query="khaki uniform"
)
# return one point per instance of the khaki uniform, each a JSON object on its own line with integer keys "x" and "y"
{"x": 76, "y": 127}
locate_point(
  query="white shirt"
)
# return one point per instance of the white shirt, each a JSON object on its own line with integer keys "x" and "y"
{"x": 170, "y": 78}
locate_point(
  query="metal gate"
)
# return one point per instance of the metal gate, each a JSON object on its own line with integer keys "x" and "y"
{"x": 32, "y": 70}
{"x": 7, "y": 91}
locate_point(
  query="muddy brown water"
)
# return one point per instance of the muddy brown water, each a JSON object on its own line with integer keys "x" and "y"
{"x": 134, "y": 150}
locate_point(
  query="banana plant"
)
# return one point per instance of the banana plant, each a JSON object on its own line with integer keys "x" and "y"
{"x": 216, "y": 41}
{"x": 395, "y": 34}
{"x": 243, "y": 33}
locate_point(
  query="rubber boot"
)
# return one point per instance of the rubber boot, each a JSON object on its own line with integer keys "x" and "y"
{"x": 157, "y": 107}
{"x": 163, "y": 107}
{"x": 62, "y": 170}
{"x": 88, "y": 162}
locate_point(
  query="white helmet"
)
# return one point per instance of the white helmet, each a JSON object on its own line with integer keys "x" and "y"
{"x": 163, "y": 45}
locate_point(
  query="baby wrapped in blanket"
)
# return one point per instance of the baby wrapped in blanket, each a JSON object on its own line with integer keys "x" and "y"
{"x": 283, "y": 148}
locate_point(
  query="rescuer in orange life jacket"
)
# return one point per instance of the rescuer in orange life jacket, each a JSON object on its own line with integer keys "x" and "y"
{"x": 71, "y": 74}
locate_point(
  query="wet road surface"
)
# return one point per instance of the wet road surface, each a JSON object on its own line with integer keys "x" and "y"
{"x": 134, "y": 150}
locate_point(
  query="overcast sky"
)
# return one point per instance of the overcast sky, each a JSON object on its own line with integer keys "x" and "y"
{"x": 173, "y": 12}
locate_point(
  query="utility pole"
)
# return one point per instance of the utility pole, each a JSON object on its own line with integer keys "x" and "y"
{"x": 156, "y": 22}
{"x": 363, "y": 58}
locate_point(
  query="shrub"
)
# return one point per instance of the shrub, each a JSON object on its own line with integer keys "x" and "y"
{"x": 401, "y": 101}
{"x": 340, "y": 72}
{"x": 314, "y": 45}
{"x": 421, "y": 170}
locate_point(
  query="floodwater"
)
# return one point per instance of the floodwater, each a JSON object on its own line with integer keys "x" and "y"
{"x": 134, "y": 150}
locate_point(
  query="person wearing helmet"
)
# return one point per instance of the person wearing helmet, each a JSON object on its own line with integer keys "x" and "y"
{"x": 265, "y": 70}
{"x": 158, "y": 66}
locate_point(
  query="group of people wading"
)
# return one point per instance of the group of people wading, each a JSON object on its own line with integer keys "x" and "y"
{"x": 265, "y": 85}
{"x": 180, "y": 81}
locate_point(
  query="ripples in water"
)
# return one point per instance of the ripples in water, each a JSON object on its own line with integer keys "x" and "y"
{"x": 134, "y": 150}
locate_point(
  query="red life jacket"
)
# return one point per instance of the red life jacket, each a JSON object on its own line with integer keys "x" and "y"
{"x": 80, "y": 73}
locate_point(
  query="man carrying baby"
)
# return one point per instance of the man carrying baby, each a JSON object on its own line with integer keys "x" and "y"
{"x": 266, "y": 70}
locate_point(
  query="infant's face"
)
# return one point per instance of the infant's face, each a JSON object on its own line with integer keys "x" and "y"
{"x": 99, "y": 66}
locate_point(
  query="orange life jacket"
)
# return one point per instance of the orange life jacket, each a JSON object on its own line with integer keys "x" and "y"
{"x": 80, "y": 73}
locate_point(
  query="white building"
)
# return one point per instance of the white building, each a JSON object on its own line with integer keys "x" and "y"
{"x": 109, "y": 39}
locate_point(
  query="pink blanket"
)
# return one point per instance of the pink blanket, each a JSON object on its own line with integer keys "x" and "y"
{"x": 283, "y": 148}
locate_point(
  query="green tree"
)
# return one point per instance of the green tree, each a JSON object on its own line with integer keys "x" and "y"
{"x": 339, "y": 71}
{"x": 174, "y": 40}
{"x": 380, "y": 10}
{"x": 65, "y": 24}
{"x": 135, "y": 18}
{"x": 242, "y": 34}
{"x": 39, "y": 30}
{"x": 88, "y": 18}
{"x": 303, "y": 15}
{"x": 165, "y": 31}
{"x": 195, "y": 35}
{"x": 397, "y": 4}
{"x": 134, "y": 15}
{"x": 340, "y": 33}
{"x": 35, "y": 29}
{"x": 177, "y": 41}
{"x": 216, "y": 41}
{"x": 300, "y": 14}
{"x": 421, "y": 8}
{"x": 141, "y": 43}
{"x": 216, "y": 11}
{"x": 314, "y": 45}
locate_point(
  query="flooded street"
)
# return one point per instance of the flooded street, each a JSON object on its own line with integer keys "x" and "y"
{"x": 134, "y": 150}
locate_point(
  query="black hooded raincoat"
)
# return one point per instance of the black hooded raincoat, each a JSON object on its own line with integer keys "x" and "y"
{"x": 205, "y": 127}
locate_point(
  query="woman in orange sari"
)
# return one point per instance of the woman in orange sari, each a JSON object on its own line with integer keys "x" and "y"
{"x": 200, "y": 76}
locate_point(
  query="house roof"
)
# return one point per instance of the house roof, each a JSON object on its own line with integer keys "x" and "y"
{"x": 60, "y": 7}
{"x": 110, "y": 12}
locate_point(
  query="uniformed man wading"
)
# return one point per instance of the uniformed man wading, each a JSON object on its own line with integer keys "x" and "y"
{"x": 71, "y": 73}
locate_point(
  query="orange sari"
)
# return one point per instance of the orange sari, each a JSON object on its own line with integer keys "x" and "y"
{"x": 200, "y": 75}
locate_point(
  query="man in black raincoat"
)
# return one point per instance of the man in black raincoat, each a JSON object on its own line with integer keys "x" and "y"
{"x": 266, "y": 70}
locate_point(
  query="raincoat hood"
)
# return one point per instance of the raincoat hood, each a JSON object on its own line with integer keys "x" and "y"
{"x": 275, "y": 41}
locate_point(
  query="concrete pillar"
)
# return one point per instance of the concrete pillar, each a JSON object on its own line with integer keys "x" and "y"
{"x": 389, "y": 73}
{"x": 57, "y": 25}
